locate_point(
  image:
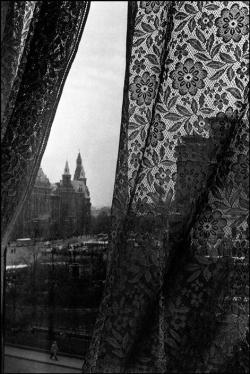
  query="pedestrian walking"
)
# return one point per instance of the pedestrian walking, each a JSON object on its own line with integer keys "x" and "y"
{"x": 54, "y": 350}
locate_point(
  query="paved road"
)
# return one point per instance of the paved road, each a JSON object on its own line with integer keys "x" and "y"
{"x": 19, "y": 360}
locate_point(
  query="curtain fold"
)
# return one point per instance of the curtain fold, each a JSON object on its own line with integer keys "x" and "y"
{"x": 176, "y": 291}
{"x": 19, "y": 17}
{"x": 4, "y": 11}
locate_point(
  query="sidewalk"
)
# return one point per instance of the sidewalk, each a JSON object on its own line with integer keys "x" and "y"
{"x": 19, "y": 360}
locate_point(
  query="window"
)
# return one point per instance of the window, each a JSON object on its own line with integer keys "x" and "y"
{"x": 57, "y": 275}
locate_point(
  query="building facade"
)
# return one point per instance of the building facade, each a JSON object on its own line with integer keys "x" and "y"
{"x": 59, "y": 210}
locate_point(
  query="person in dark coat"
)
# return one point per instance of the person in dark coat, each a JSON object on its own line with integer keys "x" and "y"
{"x": 54, "y": 350}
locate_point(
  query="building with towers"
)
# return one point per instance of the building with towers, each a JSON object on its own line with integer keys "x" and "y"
{"x": 59, "y": 210}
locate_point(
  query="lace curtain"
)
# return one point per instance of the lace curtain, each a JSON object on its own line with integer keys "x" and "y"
{"x": 176, "y": 296}
{"x": 39, "y": 40}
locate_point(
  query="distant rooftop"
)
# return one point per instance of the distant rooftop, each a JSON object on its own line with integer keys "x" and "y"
{"x": 42, "y": 178}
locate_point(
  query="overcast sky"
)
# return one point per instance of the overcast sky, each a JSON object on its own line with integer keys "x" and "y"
{"x": 89, "y": 112}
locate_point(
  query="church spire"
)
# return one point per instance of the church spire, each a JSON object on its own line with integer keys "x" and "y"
{"x": 66, "y": 169}
{"x": 79, "y": 172}
{"x": 79, "y": 159}
{"x": 66, "y": 177}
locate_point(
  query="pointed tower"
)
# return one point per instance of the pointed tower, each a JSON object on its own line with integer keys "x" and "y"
{"x": 66, "y": 169}
{"x": 66, "y": 177}
{"x": 79, "y": 172}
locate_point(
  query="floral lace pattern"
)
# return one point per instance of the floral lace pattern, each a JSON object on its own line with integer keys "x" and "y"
{"x": 201, "y": 84}
{"x": 12, "y": 47}
{"x": 177, "y": 268}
